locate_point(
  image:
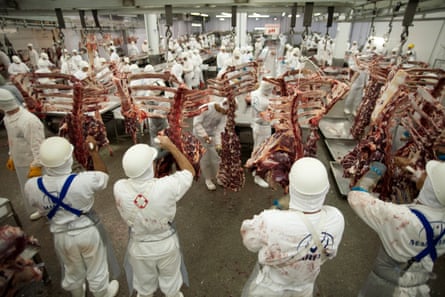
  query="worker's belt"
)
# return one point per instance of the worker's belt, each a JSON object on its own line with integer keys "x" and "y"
{"x": 58, "y": 201}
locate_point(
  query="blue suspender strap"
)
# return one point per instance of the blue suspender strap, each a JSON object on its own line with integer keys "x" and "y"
{"x": 430, "y": 240}
{"x": 58, "y": 201}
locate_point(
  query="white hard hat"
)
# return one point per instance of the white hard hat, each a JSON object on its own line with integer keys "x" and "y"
{"x": 236, "y": 53}
{"x": 134, "y": 68}
{"x": 127, "y": 60}
{"x": 29, "y": 44}
{"x": 308, "y": 184}
{"x": 137, "y": 159}
{"x": 436, "y": 173}
{"x": 55, "y": 151}
{"x": 7, "y": 100}
{"x": 74, "y": 51}
{"x": 16, "y": 59}
{"x": 149, "y": 68}
{"x": 44, "y": 56}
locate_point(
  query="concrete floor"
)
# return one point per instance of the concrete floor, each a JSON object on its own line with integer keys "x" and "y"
{"x": 208, "y": 225}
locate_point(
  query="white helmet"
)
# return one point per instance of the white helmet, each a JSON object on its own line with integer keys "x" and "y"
{"x": 134, "y": 68}
{"x": 55, "y": 151}
{"x": 149, "y": 68}
{"x": 7, "y": 100}
{"x": 436, "y": 173}
{"x": 137, "y": 159}
{"x": 308, "y": 184}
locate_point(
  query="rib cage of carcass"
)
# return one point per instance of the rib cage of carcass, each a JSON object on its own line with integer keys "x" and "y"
{"x": 381, "y": 71}
{"x": 303, "y": 103}
{"x": 410, "y": 101}
{"x": 24, "y": 85}
{"x": 183, "y": 104}
{"x": 64, "y": 94}
{"x": 236, "y": 80}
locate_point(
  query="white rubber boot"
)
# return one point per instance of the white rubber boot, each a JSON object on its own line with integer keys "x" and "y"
{"x": 79, "y": 292}
{"x": 179, "y": 294}
{"x": 261, "y": 182}
{"x": 111, "y": 291}
{"x": 139, "y": 295}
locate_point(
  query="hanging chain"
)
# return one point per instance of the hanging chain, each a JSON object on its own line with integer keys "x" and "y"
{"x": 168, "y": 36}
{"x": 403, "y": 37}
{"x": 291, "y": 35}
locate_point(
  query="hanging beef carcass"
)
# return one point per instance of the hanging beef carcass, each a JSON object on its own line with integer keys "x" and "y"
{"x": 235, "y": 81}
{"x": 379, "y": 71}
{"x": 402, "y": 105}
{"x": 184, "y": 104}
{"x": 23, "y": 84}
{"x": 147, "y": 94}
{"x": 77, "y": 125}
{"x": 308, "y": 101}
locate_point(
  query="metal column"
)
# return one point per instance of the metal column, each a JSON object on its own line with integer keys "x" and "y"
{"x": 151, "y": 28}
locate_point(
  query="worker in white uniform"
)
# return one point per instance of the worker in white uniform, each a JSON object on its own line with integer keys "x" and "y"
{"x": 411, "y": 235}
{"x": 114, "y": 57}
{"x": 17, "y": 66}
{"x": 144, "y": 47}
{"x": 178, "y": 70}
{"x": 220, "y": 58}
{"x": 188, "y": 70}
{"x": 208, "y": 127}
{"x": 153, "y": 249}
{"x": 133, "y": 49}
{"x": 76, "y": 60}
{"x": 293, "y": 244}
{"x": 33, "y": 56}
{"x": 355, "y": 95}
{"x": 44, "y": 61}
{"x": 67, "y": 199}
{"x": 411, "y": 53}
{"x": 25, "y": 134}
{"x": 261, "y": 126}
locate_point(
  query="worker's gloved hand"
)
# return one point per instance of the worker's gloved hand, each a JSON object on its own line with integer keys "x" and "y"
{"x": 219, "y": 149}
{"x": 10, "y": 164}
{"x": 369, "y": 181}
{"x": 34, "y": 171}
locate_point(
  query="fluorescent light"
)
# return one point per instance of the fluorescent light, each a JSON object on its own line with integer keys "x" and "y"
{"x": 256, "y": 15}
{"x": 221, "y": 19}
{"x": 295, "y": 16}
{"x": 195, "y": 13}
{"x": 317, "y": 14}
{"x": 259, "y": 28}
{"x": 283, "y": 14}
{"x": 196, "y": 25}
{"x": 226, "y": 13}
{"x": 223, "y": 16}
{"x": 204, "y": 15}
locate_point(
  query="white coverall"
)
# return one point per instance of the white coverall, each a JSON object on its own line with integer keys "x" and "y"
{"x": 25, "y": 134}
{"x": 77, "y": 240}
{"x": 402, "y": 236}
{"x": 148, "y": 206}
{"x": 189, "y": 73}
{"x": 210, "y": 123}
{"x": 355, "y": 94}
{"x": 288, "y": 259}
{"x": 261, "y": 129}
{"x": 16, "y": 68}
{"x": 33, "y": 58}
